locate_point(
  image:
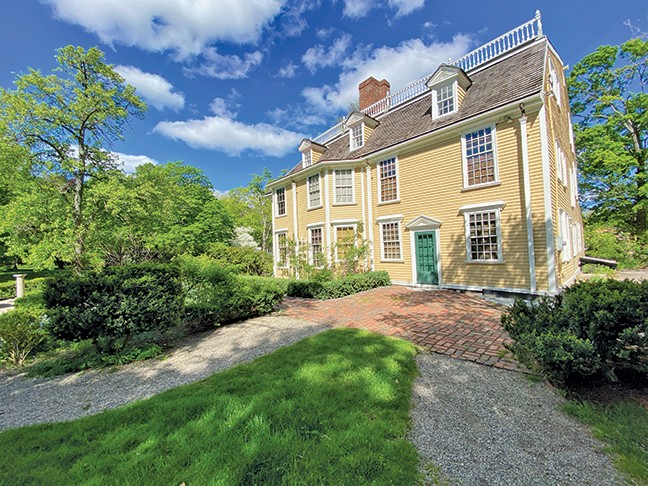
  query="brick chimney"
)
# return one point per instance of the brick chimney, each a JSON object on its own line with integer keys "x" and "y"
{"x": 371, "y": 91}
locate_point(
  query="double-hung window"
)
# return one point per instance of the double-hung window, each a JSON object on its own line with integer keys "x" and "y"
{"x": 344, "y": 241}
{"x": 561, "y": 164}
{"x": 483, "y": 236}
{"x": 307, "y": 158}
{"x": 480, "y": 159}
{"x": 280, "y": 195}
{"x": 390, "y": 241}
{"x": 357, "y": 136}
{"x": 316, "y": 247}
{"x": 445, "y": 100}
{"x": 388, "y": 180}
{"x": 343, "y": 179}
{"x": 554, "y": 81}
{"x": 314, "y": 193}
{"x": 282, "y": 250}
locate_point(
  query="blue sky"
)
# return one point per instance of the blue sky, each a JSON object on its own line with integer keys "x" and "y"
{"x": 234, "y": 85}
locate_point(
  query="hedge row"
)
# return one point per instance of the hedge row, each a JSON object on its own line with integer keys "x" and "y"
{"x": 595, "y": 328}
{"x": 341, "y": 287}
{"x": 8, "y": 289}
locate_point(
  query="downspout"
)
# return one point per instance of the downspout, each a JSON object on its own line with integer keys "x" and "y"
{"x": 527, "y": 200}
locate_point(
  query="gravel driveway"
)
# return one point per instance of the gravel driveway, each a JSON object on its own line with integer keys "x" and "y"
{"x": 480, "y": 424}
{"x": 26, "y": 401}
{"x": 486, "y": 426}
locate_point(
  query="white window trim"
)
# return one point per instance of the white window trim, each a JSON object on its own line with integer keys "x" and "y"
{"x": 379, "y": 182}
{"x": 353, "y": 223}
{"x": 475, "y": 209}
{"x": 362, "y": 136}
{"x": 308, "y": 183}
{"x": 556, "y": 82}
{"x": 435, "y": 106}
{"x": 312, "y": 227}
{"x": 464, "y": 158}
{"x": 353, "y": 192}
{"x": 276, "y": 203}
{"x": 305, "y": 157}
{"x": 283, "y": 231}
{"x": 389, "y": 220}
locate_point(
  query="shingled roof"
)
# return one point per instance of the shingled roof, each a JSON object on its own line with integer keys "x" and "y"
{"x": 508, "y": 80}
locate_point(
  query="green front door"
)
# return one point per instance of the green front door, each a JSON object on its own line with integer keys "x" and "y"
{"x": 426, "y": 258}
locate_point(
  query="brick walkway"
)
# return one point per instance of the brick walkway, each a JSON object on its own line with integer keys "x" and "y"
{"x": 457, "y": 324}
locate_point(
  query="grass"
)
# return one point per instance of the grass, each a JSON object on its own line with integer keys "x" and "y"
{"x": 332, "y": 409}
{"x": 8, "y": 276}
{"x": 623, "y": 427}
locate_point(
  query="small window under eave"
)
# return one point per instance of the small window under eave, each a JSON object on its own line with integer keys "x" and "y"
{"x": 360, "y": 127}
{"x": 448, "y": 86}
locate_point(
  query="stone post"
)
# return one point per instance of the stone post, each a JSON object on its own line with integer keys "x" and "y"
{"x": 20, "y": 284}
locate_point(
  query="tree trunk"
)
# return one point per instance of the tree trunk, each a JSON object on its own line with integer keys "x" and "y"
{"x": 639, "y": 154}
{"x": 77, "y": 214}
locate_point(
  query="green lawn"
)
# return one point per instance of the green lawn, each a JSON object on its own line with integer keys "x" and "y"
{"x": 623, "y": 426}
{"x": 8, "y": 275}
{"x": 332, "y": 409}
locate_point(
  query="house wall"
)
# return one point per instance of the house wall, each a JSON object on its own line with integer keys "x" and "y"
{"x": 558, "y": 123}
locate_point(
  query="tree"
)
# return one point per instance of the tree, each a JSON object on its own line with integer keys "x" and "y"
{"x": 66, "y": 121}
{"x": 608, "y": 95}
{"x": 251, "y": 207}
{"x": 156, "y": 213}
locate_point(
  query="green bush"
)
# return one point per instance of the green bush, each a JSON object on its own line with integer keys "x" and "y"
{"x": 605, "y": 241}
{"x": 304, "y": 288}
{"x": 247, "y": 260}
{"x": 115, "y": 303}
{"x": 8, "y": 289}
{"x": 216, "y": 295}
{"x": 21, "y": 333}
{"x": 592, "y": 328}
{"x": 352, "y": 284}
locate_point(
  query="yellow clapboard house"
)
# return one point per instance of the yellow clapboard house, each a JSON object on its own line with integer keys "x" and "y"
{"x": 465, "y": 179}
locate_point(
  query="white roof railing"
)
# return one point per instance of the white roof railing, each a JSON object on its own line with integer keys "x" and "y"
{"x": 497, "y": 47}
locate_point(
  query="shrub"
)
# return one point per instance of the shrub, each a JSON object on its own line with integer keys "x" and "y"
{"x": 215, "y": 295}
{"x": 115, "y": 303}
{"x": 304, "y": 288}
{"x": 592, "y": 328}
{"x": 246, "y": 259}
{"x": 21, "y": 333}
{"x": 8, "y": 289}
{"x": 352, "y": 284}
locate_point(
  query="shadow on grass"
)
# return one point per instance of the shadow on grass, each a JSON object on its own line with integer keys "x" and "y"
{"x": 333, "y": 408}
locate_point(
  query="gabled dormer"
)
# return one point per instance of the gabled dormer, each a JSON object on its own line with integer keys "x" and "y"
{"x": 360, "y": 128}
{"x": 311, "y": 152}
{"x": 449, "y": 85}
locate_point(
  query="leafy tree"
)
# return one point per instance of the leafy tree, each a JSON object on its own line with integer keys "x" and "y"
{"x": 608, "y": 96}
{"x": 251, "y": 207}
{"x": 156, "y": 213}
{"x": 66, "y": 120}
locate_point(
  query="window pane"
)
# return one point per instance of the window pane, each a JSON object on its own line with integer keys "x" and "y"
{"x": 388, "y": 180}
{"x": 316, "y": 247}
{"x": 483, "y": 236}
{"x": 282, "y": 245}
{"x": 314, "y": 191}
{"x": 345, "y": 239}
{"x": 357, "y": 137}
{"x": 281, "y": 202}
{"x": 445, "y": 100}
{"x": 480, "y": 159}
{"x": 344, "y": 186}
{"x": 391, "y": 241}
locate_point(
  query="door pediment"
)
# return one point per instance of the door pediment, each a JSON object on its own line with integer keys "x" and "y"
{"x": 422, "y": 222}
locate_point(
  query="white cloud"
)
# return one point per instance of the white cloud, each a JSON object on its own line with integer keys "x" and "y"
{"x": 185, "y": 27}
{"x": 318, "y": 56}
{"x": 231, "y": 136}
{"x": 221, "y": 66}
{"x": 288, "y": 71}
{"x": 400, "y": 65}
{"x": 357, "y": 9}
{"x": 130, "y": 162}
{"x": 324, "y": 33}
{"x": 219, "y": 107}
{"x": 152, "y": 87}
{"x": 296, "y": 117}
{"x": 406, "y": 7}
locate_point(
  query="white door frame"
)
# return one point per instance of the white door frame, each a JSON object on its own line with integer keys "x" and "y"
{"x": 425, "y": 224}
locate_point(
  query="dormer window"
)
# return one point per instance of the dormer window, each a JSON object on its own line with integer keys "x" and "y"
{"x": 357, "y": 136}
{"x": 448, "y": 86}
{"x": 360, "y": 127}
{"x": 307, "y": 158}
{"x": 445, "y": 100}
{"x": 554, "y": 81}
